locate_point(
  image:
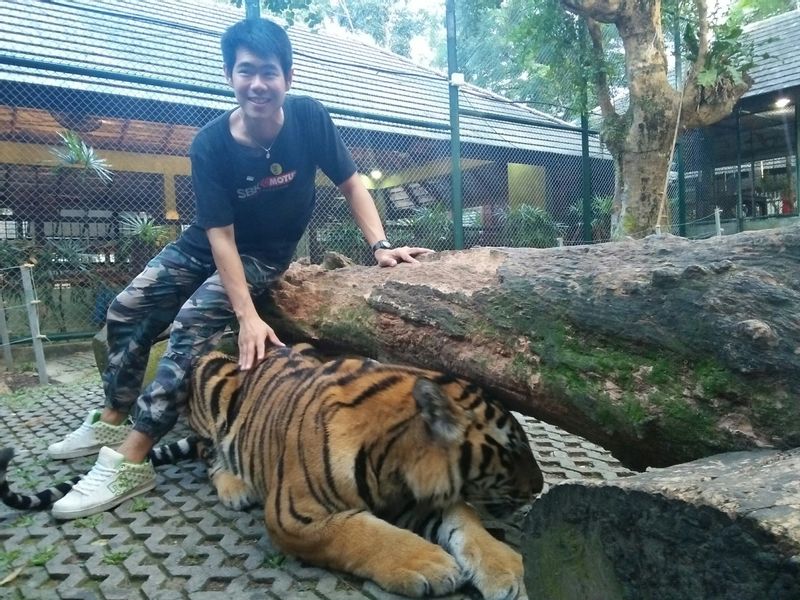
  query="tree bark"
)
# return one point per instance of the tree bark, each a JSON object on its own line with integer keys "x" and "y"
{"x": 641, "y": 140}
{"x": 662, "y": 350}
{"x": 725, "y": 527}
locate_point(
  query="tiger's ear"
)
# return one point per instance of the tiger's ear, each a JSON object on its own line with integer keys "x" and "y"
{"x": 437, "y": 412}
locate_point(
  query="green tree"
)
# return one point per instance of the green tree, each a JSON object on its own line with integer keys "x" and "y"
{"x": 391, "y": 24}
{"x": 620, "y": 49}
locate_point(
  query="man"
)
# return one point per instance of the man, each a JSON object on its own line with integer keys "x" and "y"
{"x": 253, "y": 172}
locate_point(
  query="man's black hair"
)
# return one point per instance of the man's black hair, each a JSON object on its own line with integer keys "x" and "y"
{"x": 262, "y": 37}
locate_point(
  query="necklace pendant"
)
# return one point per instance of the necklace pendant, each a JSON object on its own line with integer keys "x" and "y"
{"x": 267, "y": 154}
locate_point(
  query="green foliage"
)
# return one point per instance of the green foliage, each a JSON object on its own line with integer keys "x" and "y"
{"x": 274, "y": 560}
{"x": 140, "y": 504}
{"x": 141, "y": 239}
{"x": 145, "y": 230}
{"x": 391, "y": 24}
{"x": 88, "y": 522}
{"x": 433, "y": 228}
{"x": 76, "y": 153}
{"x": 728, "y": 59}
{"x": 528, "y": 226}
{"x": 757, "y": 10}
{"x": 116, "y": 558}
{"x": 345, "y": 238}
{"x": 602, "y": 209}
{"x": 43, "y": 556}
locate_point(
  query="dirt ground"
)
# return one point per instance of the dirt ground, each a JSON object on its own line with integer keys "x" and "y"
{"x": 14, "y": 381}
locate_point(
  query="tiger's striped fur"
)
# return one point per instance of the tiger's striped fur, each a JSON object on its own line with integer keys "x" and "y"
{"x": 368, "y": 468}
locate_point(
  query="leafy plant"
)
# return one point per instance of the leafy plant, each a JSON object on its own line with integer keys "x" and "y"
{"x": 528, "y": 226}
{"x": 76, "y": 153}
{"x": 274, "y": 560}
{"x": 145, "y": 230}
{"x": 140, "y": 504}
{"x": 88, "y": 522}
{"x": 433, "y": 228}
{"x": 602, "y": 208}
{"x": 346, "y": 238}
{"x": 42, "y": 556}
{"x": 116, "y": 558}
{"x": 142, "y": 238}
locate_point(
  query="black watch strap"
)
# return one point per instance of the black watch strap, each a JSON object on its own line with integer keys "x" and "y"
{"x": 381, "y": 245}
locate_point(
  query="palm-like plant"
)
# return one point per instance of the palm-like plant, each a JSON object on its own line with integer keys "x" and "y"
{"x": 75, "y": 152}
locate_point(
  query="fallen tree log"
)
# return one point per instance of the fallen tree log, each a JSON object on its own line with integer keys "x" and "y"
{"x": 662, "y": 350}
{"x": 724, "y": 527}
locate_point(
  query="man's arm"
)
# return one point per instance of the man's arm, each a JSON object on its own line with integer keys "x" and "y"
{"x": 369, "y": 221}
{"x": 253, "y": 331}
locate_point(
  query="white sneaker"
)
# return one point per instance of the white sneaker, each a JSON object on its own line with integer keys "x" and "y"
{"x": 111, "y": 481}
{"x": 87, "y": 439}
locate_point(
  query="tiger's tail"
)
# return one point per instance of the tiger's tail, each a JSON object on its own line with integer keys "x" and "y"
{"x": 188, "y": 448}
{"x": 38, "y": 501}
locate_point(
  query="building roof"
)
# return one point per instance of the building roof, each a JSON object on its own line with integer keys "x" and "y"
{"x": 777, "y": 61}
{"x": 168, "y": 51}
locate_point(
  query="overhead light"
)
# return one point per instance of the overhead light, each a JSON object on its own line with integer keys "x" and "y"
{"x": 782, "y": 102}
{"x": 375, "y": 174}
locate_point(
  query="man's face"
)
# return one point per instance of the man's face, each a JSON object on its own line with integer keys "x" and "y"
{"x": 259, "y": 84}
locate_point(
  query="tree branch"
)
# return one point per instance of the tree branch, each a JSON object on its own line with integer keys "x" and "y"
{"x": 702, "y": 35}
{"x": 599, "y": 62}
{"x": 605, "y": 11}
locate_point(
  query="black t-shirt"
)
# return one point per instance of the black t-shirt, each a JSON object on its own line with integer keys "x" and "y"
{"x": 268, "y": 201}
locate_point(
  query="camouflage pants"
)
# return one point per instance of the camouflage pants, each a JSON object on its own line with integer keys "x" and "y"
{"x": 176, "y": 289}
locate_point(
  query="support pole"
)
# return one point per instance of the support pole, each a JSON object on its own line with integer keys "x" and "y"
{"x": 8, "y": 358}
{"x": 679, "y": 144}
{"x": 455, "y": 137}
{"x": 252, "y": 9}
{"x": 739, "y": 205}
{"x": 796, "y": 155}
{"x": 586, "y": 180}
{"x": 33, "y": 319}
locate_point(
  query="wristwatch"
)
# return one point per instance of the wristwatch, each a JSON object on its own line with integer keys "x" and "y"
{"x": 381, "y": 245}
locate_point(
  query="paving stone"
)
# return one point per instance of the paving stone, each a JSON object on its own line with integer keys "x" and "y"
{"x": 181, "y": 542}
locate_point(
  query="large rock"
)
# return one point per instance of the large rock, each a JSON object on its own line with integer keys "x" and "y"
{"x": 662, "y": 350}
{"x": 725, "y": 527}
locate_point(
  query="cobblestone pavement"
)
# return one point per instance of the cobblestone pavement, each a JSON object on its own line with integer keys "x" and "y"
{"x": 178, "y": 541}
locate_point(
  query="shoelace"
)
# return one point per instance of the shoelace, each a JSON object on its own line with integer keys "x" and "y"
{"x": 98, "y": 475}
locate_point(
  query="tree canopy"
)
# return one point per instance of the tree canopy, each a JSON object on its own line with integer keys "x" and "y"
{"x": 392, "y": 25}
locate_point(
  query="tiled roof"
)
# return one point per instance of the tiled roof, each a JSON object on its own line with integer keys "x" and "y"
{"x": 168, "y": 50}
{"x": 777, "y": 38}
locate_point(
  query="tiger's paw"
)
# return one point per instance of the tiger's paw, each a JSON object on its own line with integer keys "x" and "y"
{"x": 432, "y": 572}
{"x": 232, "y": 491}
{"x": 498, "y": 573}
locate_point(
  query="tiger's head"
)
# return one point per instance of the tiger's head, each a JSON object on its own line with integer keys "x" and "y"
{"x": 496, "y": 465}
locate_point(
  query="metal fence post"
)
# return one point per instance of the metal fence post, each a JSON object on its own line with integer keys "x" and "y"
{"x": 455, "y": 135}
{"x": 252, "y": 9}
{"x": 8, "y": 358}
{"x": 586, "y": 180}
{"x": 33, "y": 319}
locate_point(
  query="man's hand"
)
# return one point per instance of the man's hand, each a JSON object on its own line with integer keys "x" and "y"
{"x": 392, "y": 256}
{"x": 253, "y": 334}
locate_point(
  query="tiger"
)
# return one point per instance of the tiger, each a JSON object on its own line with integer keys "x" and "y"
{"x": 368, "y": 468}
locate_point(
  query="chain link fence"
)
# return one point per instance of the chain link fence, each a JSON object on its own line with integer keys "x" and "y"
{"x": 92, "y": 184}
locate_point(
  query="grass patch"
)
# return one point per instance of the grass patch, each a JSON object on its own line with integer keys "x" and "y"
{"x": 88, "y": 522}
{"x": 42, "y": 556}
{"x": 140, "y": 504}
{"x": 23, "y": 521}
{"x": 116, "y": 558}
{"x": 274, "y": 561}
